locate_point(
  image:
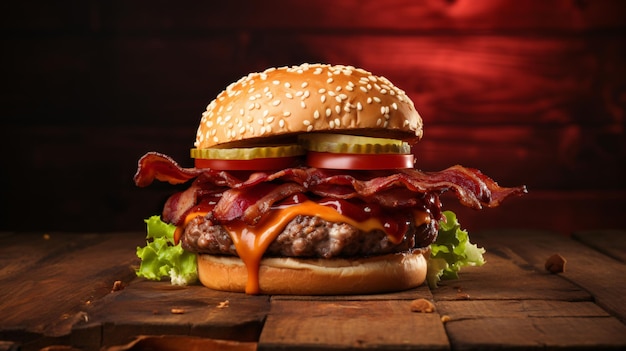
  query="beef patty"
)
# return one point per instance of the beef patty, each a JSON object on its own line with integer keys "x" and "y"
{"x": 309, "y": 236}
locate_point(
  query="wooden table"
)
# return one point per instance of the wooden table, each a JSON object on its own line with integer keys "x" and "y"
{"x": 58, "y": 289}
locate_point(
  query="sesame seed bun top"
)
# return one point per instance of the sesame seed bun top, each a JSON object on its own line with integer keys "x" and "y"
{"x": 286, "y": 101}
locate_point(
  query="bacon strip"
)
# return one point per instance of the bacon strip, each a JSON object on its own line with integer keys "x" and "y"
{"x": 248, "y": 199}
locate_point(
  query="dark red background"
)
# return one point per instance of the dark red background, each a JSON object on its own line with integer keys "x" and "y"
{"x": 529, "y": 92}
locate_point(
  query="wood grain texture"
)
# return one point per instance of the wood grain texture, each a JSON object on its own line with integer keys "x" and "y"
{"x": 509, "y": 303}
{"x": 591, "y": 270}
{"x": 44, "y": 294}
{"x": 529, "y": 93}
{"x": 309, "y": 325}
{"x": 534, "y": 314}
{"x": 147, "y": 307}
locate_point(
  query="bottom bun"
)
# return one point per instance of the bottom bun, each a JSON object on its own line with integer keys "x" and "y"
{"x": 290, "y": 276}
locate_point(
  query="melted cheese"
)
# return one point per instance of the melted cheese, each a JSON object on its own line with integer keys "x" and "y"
{"x": 252, "y": 242}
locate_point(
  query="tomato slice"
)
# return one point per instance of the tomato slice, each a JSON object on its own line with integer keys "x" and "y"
{"x": 257, "y": 164}
{"x": 359, "y": 161}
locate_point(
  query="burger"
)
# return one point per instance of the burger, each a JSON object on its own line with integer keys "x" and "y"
{"x": 305, "y": 182}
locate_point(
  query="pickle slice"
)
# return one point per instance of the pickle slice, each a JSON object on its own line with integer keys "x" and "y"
{"x": 248, "y": 153}
{"x": 352, "y": 144}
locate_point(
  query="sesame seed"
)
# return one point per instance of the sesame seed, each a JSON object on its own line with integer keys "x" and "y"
{"x": 302, "y": 104}
{"x": 306, "y": 122}
{"x": 363, "y": 89}
{"x": 331, "y": 93}
{"x": 276, "y": 82}
{"x": 306, "y": 94}
{"x": 322, "y": 91}
{"x": 337, "y": 122}
{"x": 338, "y": 98}
{"x": 379, "y": 122}
{"x": 394, "y": 106}
{"x": 287, "y": 85}
{"x": 241, "y": 111}
{"x": 343, "y": 96}
{"x": 266, "y": 113}
{"x": 331, "y": 124}
{"x": 262, "y": 131}
{"x": 309, "y": 128}
{"x": 289, "y": 96}
{"x": 281, "y": 123}
{"x": 251, "y": 90}
{"x": 383, "y": 91}
{"x": 276, "y": 102}
{"x": 338, "y": 88}
{"x": 359, "y": 106}
{"x": 338, "y": 109}
{"x": 304, "y": 84}
{"x": 260, "y": 121}
{"x": 299, "y": 93}
{"x": 269, "y": 119}
{"x": 329, "y": 80}
{"x": 369, "y": 100}
{"x": 286, "y": 114}
{"x": 372, "y": 78}
{"x": 349, "y": 88}
{"x": 242, "y": 130}
{"x": 377, "y": 99}
{"x": 316, "y": 114}
{"x": 328, "y": 112}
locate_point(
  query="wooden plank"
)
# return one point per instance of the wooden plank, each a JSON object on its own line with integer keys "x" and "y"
{"x": 609, "y": 242}
{"x": 389, "y": 325}
{"x": 155, "y": 308}
{"x": 421, "y": 292}
{"x": 530, "y": 324}
{"x": 537, "y": 334}
{"x": 598, "y": 274}
{"x": 525, "y": 307}
{"x": 472, "y": 309}
{"x": 433, "y": 15}
{"x": 51, "y": 296}
{"x": 495, "y": 79}
{"x": 507, "y": 276}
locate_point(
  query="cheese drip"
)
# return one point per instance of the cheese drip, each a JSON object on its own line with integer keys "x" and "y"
{"x": 252, "y": 242}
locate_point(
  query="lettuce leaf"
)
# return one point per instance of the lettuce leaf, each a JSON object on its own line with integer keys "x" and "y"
{"x": 162, "y": 258}
{"x": 451, "y": 251}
